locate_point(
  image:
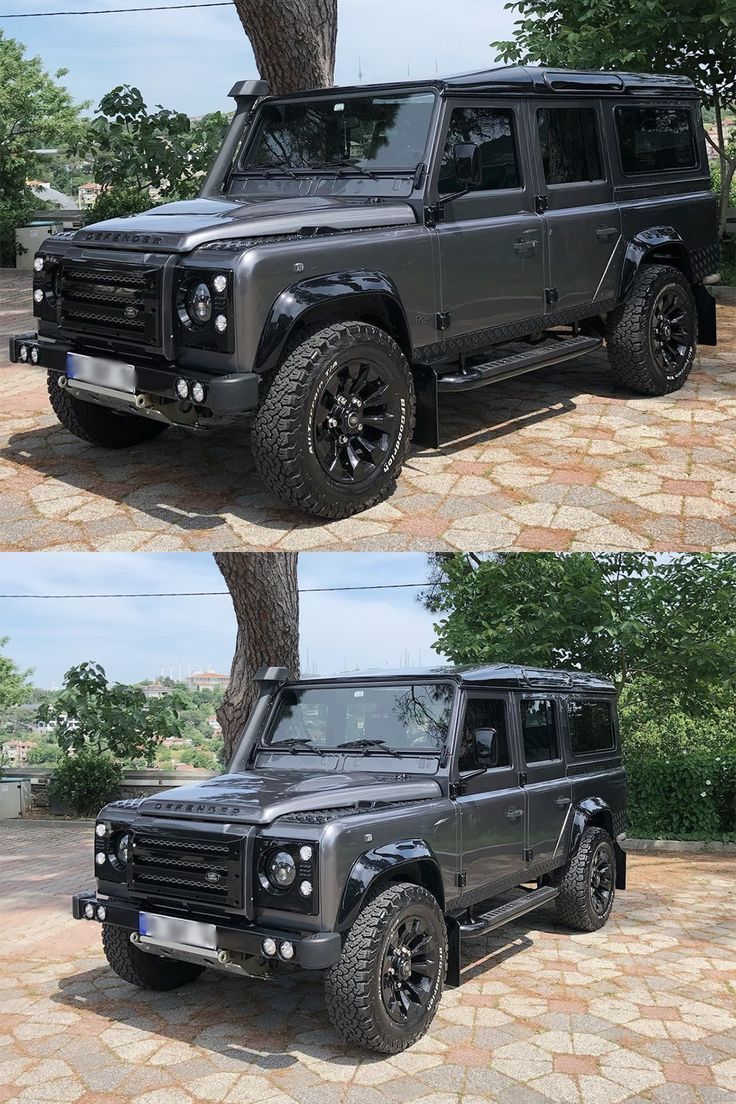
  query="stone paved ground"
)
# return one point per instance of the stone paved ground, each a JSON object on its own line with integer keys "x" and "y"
{"x": 642, "y": 1011}
{"x": 555, "y": 460}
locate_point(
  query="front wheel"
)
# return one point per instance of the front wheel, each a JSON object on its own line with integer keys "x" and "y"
{"x": 385, "y": 989}
{"x": 588, "y": 883}
{"x": 334, "y": 429}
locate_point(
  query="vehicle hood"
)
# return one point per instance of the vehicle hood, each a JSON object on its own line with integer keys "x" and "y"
{"x": 259, "y": 797}
{"x": 180, "y": 227}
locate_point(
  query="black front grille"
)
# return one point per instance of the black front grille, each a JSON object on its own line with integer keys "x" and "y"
{"x": 110, "y": 301}
{"x": 187, "y": 868}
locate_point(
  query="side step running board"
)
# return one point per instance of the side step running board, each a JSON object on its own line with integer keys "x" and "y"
{"x": 517, "y": 364}
{"x": 494, "y": 918}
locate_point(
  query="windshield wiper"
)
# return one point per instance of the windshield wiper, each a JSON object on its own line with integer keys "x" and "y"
{"x": 367, "y": 745}
{"x": 278, "y": 170}
{"x": 295, "y": 744}
{"x": 343, "y": 167}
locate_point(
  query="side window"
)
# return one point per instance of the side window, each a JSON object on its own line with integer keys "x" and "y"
{"x": 568, "y": 139}
{"x": 492, "y": 130}
{"x": 539, "y": 730}
{"x": 655, "y": 139}
{"x": 590, "y": 726}
{"x": 484, "y": 741}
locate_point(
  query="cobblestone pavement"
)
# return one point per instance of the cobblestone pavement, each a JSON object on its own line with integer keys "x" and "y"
{"x": 555, "y": 460}
{"x": 642, "y": 1011}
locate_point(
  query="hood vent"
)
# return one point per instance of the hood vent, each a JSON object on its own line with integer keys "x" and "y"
{"x": 325, "y": 816}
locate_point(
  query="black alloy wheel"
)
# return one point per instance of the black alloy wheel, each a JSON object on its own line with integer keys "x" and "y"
{"x": 409, "y": 971}
{"x": 601, "y": 879}
{"x": 672, "y": 330}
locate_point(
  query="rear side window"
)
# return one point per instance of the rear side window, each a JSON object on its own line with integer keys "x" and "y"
{"x": 590, "y": 726}
{"x": 655, "y": 139}
{"x": 484, "y": 738}
{"x": 568, "y": 140}
{"x": 492, "y": 130}
{"x": 538, "y": 730}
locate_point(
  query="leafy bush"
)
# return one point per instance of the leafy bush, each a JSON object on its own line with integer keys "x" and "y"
{"x": 682, "y": 796}
{"x": 86, "y": 781}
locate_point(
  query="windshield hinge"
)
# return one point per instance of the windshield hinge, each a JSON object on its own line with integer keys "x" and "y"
{"x": 522, "y": 778}
{"x": 551, "y": 295}
{"x": 434, "y": 214}
{"x": 528, "y": 854}
{"x": 541, "y": 203}
{"x": 443, "y": 320}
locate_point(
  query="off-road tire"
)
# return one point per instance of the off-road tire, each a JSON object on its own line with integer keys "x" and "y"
{"x": 574, "y": 900}
{"x": 353, "y": 984}
{"x": 283, "y": 437}
{"x": 628, "y": 337}
{"x": 97, "y": 424}
{"x": 145, "y": 970}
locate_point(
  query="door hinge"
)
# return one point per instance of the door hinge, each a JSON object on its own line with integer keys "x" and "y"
{"x": 551, "y": 295}
{"x": 434, "y": 214}
{"x": 528, "y": 854}
{"x": 461, "y": 879}
{"x": 443, "y": 320}
{"x": 522, "y": 778}
{"x": 541, "y": 203}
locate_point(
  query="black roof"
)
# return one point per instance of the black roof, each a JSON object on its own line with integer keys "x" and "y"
{"x": 493, "y": 674}
{"x": 537, "y": 79}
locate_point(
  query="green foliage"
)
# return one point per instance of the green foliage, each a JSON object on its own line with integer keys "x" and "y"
{"x": 14, "y": 685}
{"x": 35, "y": 111}
{"x": 86, "y": 781}
{"x": 89, "y": 712}
{"x": 682, "y": 795}
{"x": 137, "y": 153}
{"x": 44, "y": 753}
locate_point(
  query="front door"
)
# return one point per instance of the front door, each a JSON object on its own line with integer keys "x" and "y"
{"x": 548, "y": 791}
{"x": 490, "y": 241}
{"x": 490, "y": 800}
{"x": 583, "y": 224}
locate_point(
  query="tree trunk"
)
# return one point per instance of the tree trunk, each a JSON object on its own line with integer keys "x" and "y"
{"x": 293, "y": 41}
{"x": 263, "y": 588}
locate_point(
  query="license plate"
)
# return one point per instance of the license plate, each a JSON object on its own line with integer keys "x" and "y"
{"x": 100, "y": 370}
{"x": 193, "y": 933}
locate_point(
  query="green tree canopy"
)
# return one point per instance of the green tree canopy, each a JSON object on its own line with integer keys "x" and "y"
{"x": 625, "y": 615}
{"x": 14, "y": 685}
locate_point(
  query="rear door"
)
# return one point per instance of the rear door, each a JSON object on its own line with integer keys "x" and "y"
{"x": 583, "y": 224}
{"x": 489, "y": 799}
{"x": 548, "y": 790}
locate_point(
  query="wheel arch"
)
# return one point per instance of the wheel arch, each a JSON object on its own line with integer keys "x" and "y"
{"x": 363, "y": 296}
{"x": 410, "y": 860}
{"x": 594, "y": 812}
{"x": 656, "y": 245}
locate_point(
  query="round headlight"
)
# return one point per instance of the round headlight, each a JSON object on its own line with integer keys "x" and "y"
{"x": 282, "y": 869}
{"x": 100, "y": 829}
{"x": 182, "y": 388}
{"x": 220, "y": 323}
{"x": 197, "y": 392}
{"x": 199, "y": 304}
{"x": 101, "y": 912}
{"x": 89, "y": 911}
{"x": 269, "y": 947}
{"x": 219, "y": 284}
{"x": 23, "y": 353}
{"x": 38, "y": 264}
{"x": 34, "y": 354}
{"x": 286, "y": 950}
{"x": 121, "y": 848}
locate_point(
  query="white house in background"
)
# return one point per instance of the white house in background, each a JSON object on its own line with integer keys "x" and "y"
{"x": 155, "y": 689}
{"x": 87, "y": 195}
{"x": 206, "y": 680}
{"x": 16, "y": 752}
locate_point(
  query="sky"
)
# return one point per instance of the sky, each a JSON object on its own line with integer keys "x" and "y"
{"x": 189, "y": 60}
{"x": 135, "y": 638}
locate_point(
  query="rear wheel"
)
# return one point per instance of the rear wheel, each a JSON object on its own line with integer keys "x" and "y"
{"x": 98, "y": 424}
{"x": 384, "y": 991}
{"x": 588, "y": 883}
{"x": 147, "y": 971}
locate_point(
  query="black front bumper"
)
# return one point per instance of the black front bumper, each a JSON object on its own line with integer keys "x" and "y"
{"x": 317, "y": 951}
{"x": 230, "y": 394}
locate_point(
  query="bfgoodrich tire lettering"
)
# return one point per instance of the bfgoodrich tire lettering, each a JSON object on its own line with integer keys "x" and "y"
{"x": 651, "y": 337}
{"x": 358, "y": 989}
{"x": 588, "y": 883}
{"x": 334, "y": 429}
{"x": 97, "y": 424}
{"x": 145, "y": 970}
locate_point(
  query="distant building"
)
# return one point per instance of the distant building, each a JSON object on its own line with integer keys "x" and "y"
{"x": 176, "y": 742}
{"x": 214, "y": 725}
{"x": 87, "y": 195}
{"x": 206, "y": 680}
{"x": 155, "y": 689}
{"x": 16, "y": 752}
{"x": 42, "y": 190}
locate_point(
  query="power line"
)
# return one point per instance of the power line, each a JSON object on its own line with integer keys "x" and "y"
{"x": 216, "y": 593}
{"x": 120, "y": 11}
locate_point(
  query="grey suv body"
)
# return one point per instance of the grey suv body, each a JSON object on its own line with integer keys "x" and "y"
{"x": 366, "y": 825}
{"x": 357, "y": 252}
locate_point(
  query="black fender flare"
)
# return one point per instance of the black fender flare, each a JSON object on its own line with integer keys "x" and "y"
{"x": 663, "y": 241}
{"x": 594, "y": 810}
{"x": 365, "y": 289}
{"x": 375, "y": 864}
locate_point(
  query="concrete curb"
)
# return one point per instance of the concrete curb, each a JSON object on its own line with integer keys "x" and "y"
{"x": 723, "y": 293}
{"x": 642, "y": 845}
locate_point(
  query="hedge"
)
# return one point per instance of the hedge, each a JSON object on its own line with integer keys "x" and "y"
{"x": 682, "y": 796}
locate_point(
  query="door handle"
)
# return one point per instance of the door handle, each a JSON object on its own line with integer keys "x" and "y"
{"x": 605, "y": 233}
{"x": 514, "y": 814}
{"x": 525, "y": 245}
{"x": 562, "y": 802}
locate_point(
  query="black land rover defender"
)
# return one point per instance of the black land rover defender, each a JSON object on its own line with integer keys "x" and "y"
{"x": 357, "y": 252}
{"x": 367, "y": 824}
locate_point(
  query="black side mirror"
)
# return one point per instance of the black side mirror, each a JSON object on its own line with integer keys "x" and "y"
{"x": 467, "y": 164}
{"x": 485, "y": 746}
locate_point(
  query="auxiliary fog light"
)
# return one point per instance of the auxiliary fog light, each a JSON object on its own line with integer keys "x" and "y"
{"x": 198, "y": 392}
{"x": 89, "y": 911}
{"x": 100, "y": 858}
{"x": 100, "y": 829}
{"x": 287, "y": 950}
{"x": 182, "y": 388}
{"x": 38, "y": 264}
{"x": 305, "y": 853}
{"x": 219, "y": 284}
{"x": 305, "y": 888}
{"x": 101, "y": 912}
{"x": 269, "y": 947}
{"x": 23, "y": 353}
{"x": 34, "y": 355}
{"x": 220, "y": 323}
{"x": 38, "y": 295}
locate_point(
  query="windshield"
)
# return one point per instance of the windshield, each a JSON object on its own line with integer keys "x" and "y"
{"x": 368, "y": 133}
{"x": 413, "y": 717}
